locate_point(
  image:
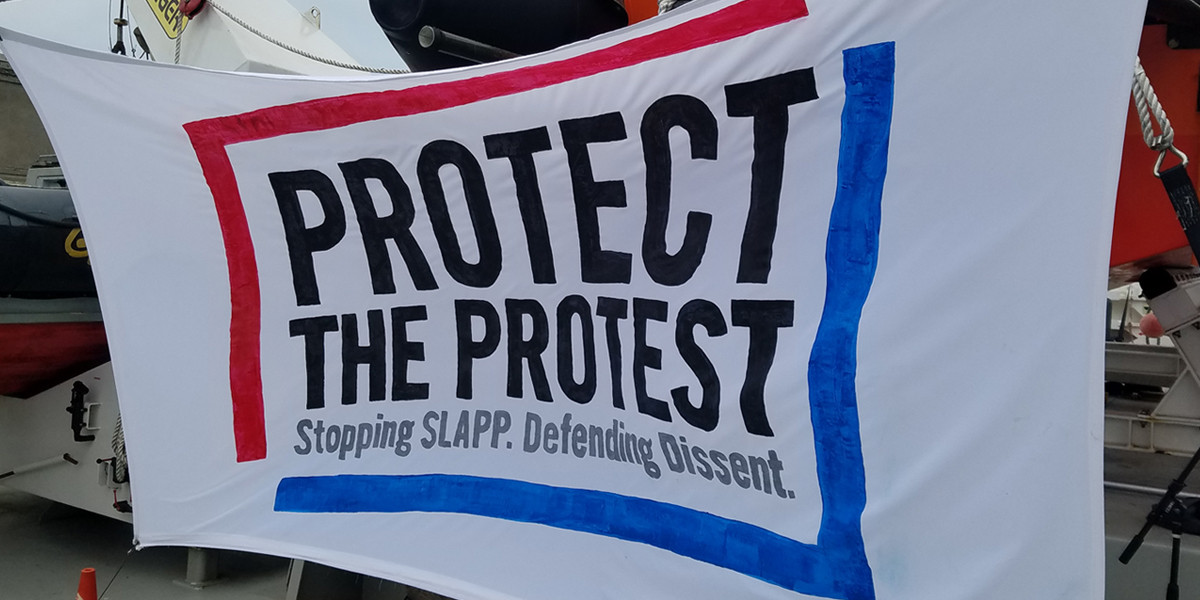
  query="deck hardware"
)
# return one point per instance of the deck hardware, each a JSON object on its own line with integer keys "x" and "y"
{"x": 78, "y": 412}
{"x": 461, "y": 47}
{"x": 41, "y": 464}
{"x": 313, "y": 16}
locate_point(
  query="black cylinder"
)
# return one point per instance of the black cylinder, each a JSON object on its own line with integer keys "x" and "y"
{"x": 518, "y": 26}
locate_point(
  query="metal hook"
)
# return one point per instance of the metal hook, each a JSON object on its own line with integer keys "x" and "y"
{"x": 1172, "y": 149}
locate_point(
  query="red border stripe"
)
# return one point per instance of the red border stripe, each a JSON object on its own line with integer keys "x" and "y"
{"x": 245, "y": 361}
{"x": 210, "y": 138}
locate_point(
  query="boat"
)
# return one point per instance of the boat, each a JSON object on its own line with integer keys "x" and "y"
{"x": 50, "y": 326}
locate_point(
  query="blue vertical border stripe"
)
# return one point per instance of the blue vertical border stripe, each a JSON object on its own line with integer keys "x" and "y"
{"x": 851, "y": 255}
{"x": 836, "y": 566}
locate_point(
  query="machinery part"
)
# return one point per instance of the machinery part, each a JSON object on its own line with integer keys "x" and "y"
{"x": 78, "y": 412}
{"x": 41, "y": 464}
{"x": 1178, "y": 308}
{"x": 141, "y": 41}
{"x": 461, "y": 47}
{"x": 520, "y": 26}
{"x": 121, "y": 22}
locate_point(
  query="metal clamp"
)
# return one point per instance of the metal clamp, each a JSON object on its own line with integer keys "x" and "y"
{"x": 78, "y": 412}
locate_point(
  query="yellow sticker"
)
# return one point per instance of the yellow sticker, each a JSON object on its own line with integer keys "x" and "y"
{"x": 75, "y": 245}
{"x": 169, "y": 17}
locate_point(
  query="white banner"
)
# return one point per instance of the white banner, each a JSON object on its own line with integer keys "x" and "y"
{"x": 762, "y": 298}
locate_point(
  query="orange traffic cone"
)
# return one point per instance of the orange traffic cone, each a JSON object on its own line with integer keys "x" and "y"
{"x": 87, "y": 585}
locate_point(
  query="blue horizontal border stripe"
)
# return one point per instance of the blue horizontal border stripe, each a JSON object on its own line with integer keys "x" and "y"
{"x": 734, "y": 545}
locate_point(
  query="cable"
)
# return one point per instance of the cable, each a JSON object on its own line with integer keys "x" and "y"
{"x": 304, "y": 53}
{"x": 114, "y": 577}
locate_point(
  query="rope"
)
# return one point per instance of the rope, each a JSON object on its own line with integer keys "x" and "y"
{"x": 665, "y": 6}
{"x": 1182, "y": 194}
{"x": 304, "y": 53}
{"x": 1147, "y": 103}
{"x": 120, "y": 459}
{"x": 124, "y": 562}
{"x": 1150, "y": 112}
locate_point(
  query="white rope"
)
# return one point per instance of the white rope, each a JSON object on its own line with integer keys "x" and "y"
{"x": 1148, "y": 105}
{"x": 120, "y": 460}
{"x": 667, "y": 5}
{"x": 1150, "y": 111}
{"x": 304, "y": 53}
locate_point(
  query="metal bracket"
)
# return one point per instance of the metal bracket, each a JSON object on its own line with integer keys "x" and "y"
{"x": 78, "y": 412}
{"x": 313, "y": 15}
